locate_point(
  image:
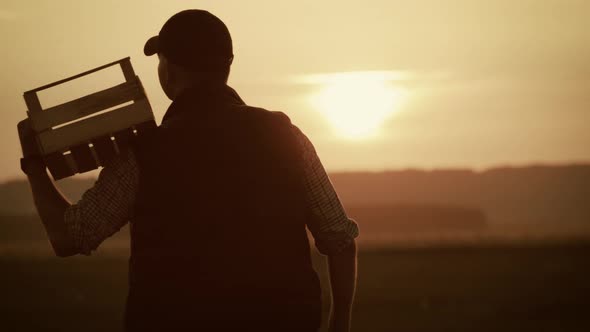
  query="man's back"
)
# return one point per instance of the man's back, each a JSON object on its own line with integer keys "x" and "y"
{"x": 219, "y": 229}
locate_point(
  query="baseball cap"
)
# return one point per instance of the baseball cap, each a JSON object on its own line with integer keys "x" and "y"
{"x": 194, "y": 39}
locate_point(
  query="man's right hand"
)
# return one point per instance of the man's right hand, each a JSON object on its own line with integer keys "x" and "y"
{"x": 342, "y": 267}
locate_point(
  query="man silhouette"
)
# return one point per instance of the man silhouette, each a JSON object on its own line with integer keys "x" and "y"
{"x": 218, "y": 198}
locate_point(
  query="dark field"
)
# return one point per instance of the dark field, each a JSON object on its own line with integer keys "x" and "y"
{"x": 543, "y": 288}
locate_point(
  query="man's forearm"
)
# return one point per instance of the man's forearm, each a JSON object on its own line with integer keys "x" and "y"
{"x": 51, "y": 206}
{"x": 343, "y": 280}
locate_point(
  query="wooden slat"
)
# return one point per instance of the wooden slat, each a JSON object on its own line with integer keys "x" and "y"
{"x": 123, "y": 139}
{"x": 127, "y": 69}
{"x": 105, "y": 149}
{"x": 100, "y": 125}
{"x": 32, "y": 101}
{"x": 47, "y": 86}
{"x": 84, "y": 158}
{"x": 86, "y": 105}
{"x": 61, "y": 166}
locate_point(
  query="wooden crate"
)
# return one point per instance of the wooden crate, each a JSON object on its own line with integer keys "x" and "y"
{"x": 83, "y": 134}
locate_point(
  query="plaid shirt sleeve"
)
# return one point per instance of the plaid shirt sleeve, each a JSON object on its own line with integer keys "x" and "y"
{"x": 109, "y": 204}
{"x": 331, "y": 228}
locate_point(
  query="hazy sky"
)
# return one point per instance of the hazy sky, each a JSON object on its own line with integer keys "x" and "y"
{"x": 486, "y": 82}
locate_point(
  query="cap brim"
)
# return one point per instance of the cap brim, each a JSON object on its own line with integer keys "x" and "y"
{"x": 152, "y": 46}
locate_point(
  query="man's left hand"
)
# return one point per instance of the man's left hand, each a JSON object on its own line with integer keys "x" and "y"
{"x": 31, "y": 163}
{"x": 27, "y": 139}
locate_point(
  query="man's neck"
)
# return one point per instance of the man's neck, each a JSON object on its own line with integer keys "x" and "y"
{"x": 200, "y": 85}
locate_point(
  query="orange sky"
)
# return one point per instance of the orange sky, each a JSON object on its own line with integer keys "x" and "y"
{"x": 488, "y": 82}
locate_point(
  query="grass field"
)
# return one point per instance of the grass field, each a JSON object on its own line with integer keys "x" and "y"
{"x": 542, "y": 288}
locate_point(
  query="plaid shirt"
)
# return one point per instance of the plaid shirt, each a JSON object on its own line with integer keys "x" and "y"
{"x": 106, "y": 207}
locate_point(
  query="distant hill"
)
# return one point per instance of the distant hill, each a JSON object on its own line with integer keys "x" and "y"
{"x": 16, "y": 198}
{"x": 413, "y": 218}
{"x": 525, "y": 195}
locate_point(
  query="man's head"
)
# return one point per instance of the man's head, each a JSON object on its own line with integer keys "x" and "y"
{"x": 194, "y": 48}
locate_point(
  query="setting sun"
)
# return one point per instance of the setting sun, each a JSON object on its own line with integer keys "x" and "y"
{"x": 356, "y": 104}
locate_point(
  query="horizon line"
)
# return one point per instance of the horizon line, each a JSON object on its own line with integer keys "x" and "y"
{"x": 476, "y": 170}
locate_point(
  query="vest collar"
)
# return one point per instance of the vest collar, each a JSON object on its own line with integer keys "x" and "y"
{"x": 200, "y": 100}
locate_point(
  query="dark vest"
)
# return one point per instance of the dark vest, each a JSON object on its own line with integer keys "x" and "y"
{"x": 218, "y": 240}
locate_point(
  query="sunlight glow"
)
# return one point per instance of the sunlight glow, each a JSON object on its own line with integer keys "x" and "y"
{"x": 356, "y": 104}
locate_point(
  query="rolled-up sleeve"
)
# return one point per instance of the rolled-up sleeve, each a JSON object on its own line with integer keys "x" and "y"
{"x": 106, "y": 207}
{"x": 331, "y": 228}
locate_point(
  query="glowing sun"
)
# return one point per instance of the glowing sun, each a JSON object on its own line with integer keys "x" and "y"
{"x": 356, "y": 104}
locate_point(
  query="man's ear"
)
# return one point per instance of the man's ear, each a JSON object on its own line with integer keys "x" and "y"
{"x": 165, "y": 76}
{"x": 176, "y": 75}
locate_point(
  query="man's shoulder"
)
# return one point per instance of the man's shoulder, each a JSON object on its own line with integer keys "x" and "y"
{"x": 263, "y": 113}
